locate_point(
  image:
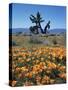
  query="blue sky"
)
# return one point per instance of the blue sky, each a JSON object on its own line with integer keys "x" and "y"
{"x": 22, "y": 12}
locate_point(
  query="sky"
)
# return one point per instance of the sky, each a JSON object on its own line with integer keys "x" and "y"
{"x": 22, "y": 12}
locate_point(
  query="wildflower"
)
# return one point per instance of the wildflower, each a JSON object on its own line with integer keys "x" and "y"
{"x": 27, "y": 83}
{"x": 62, "y": 75}
{"x": 24, "y": 69}
{"x": 18, "y": 69}
{"x": 42, "y": 59}
{"x": 28, "y": 59}
{"x": 14, "y": 83}
{"x": 52, "y": 81}
{"x": 62, "y": 68}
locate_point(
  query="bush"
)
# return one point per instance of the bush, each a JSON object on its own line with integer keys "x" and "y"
{"x": 54, "y": 41}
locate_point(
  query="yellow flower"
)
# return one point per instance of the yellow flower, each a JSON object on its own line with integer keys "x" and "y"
{"x": 24, "y": 69}
{"x": 18, "y": 69}
{"x": 61, "y": 57}
{"x": 28, "y": 59}
{"x": 54, "y": 55}
{"x": 42, "y": 59}
{"x": 46, "y": 78}
{"x": 33, "y": 57}
{"x": 52, "y": 81}
{"x": 14, "y": 83}
{"x": 29, "y": 74}
{"x": 48, "y": 71}
{"x": 62, "y": 68}
{"x": 62, "y": 75}
{"x": 27, "y": 83}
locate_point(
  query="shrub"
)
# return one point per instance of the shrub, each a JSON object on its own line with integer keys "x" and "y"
{"x": 54, "y": 41}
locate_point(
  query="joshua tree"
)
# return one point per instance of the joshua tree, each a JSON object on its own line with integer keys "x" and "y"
{"x": 47, "y": 27}
{"x": 34, "y": 29}
{"x": 38, "y": 20}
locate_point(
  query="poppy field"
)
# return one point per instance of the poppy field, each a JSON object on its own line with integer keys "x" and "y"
{"x": 38, "y": 66}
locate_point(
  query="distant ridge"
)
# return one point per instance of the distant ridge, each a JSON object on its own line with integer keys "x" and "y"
{"x": 27, "y": 31}
{"x": 57, "y": 31}
{"x": 16, "y": 30}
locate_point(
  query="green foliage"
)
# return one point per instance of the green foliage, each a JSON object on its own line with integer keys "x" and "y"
{"x": 54, "y": 73}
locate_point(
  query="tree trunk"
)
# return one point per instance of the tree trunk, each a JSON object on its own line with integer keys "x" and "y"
{"x": 41, "y": 28}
